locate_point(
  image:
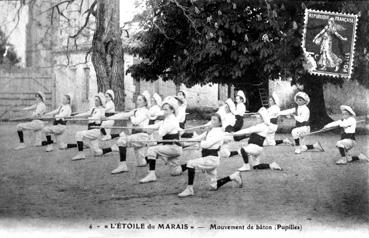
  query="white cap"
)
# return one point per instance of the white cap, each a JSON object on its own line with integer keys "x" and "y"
{"x": 101, "y": 96}
{"x": 348, "y": 109}
{"x": 146, "y": 95}
{"x": 111, "y": 93}
{"x": 70, "y": 95}
{"x": 303, "y": 96}
{"x": 231, "y": 105}
{"x": 242, "y": 95}
{"x": 42, "y": 95}
{"x": 172, "y": 102}
{"x": 157, "y": 99}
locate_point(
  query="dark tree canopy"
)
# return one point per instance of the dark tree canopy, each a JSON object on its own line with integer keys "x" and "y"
{"x": 225, "y": 41}
{"x": 239, "y": 42}
{"x": 11, "y": 57}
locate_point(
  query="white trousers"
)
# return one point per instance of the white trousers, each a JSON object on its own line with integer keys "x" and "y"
{"x": 140, "y": 148}
{"x": 209, "y": 164}
{"x": 170, "y": 154}
{"x": 35, "y": 126}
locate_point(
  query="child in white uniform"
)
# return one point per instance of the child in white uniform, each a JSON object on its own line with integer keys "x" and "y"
{"x": 59, "y": 125}
{"x": 209, "y": 162}
{"x": 251, "y": 152}
{"x": 139, "y": 118}
{"x": 91, "y": 135}
{"x": 347, "y": 142}
{"x": 228, "y": 118}
{"x": 239, "y": 110}
{"x": 155, "y": 111}
{"x": 273, "y": 112}
{"x": 301, "y": 113}
{"x": 109, "y": 111}
{"x": 35, "y": 126}
{"x": 168, "y": 151}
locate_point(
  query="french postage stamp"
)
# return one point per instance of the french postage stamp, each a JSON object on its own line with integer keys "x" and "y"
{"x": 329, "y": 42}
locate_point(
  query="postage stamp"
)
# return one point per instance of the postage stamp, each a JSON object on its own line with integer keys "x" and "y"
{"x": 329, "y": 42}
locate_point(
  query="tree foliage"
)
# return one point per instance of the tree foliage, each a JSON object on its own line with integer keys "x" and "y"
{"x": 233, "y": 41}
{"x": 7, "y": 49}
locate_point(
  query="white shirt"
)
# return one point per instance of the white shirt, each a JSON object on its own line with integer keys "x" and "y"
{"x": 96, "y": 114}
{"x": 273, "y": 111}
{"x": 213, "y": 139}
{"x": 155, "y": 111}
{"x": 240, "y": 109}
{"x": 260, "y": 129}
{"x": 228, "y": 119}
{"x": 110, "y": 107}
{"x": 181, "y": 113}
{"x": 170, "y": 125}
{"x": 140, "y": 117}
{"x": 348, "y": 125}
{"x": 62, "y": 112}
{"x": 40, "y": 109}
{"x": 303, "y": 113}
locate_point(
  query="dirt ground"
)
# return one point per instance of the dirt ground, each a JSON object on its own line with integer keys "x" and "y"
{"x": 43, "y": 190}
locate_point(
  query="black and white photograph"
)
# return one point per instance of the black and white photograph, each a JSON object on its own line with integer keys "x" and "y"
{"x": 184, "y": 118}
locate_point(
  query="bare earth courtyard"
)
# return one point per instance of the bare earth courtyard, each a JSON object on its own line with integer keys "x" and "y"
{"x": 40, "y": 190}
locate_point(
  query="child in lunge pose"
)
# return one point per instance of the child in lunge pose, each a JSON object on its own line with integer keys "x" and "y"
{"x": 168, "y": 129}
{"x": 273, "y": 112}
{"x": 251, "y": 152}
{"x": 301, "y": 113}
{"x": 59, "y": 125}
{"x": 35, "y": 126}
{"x": 95, "y": 115}
{"x": 347, "y": 142}
{"x": 211, "y": 144}
{"x": 139, "y": 118}
{"x": 109, "y": 111}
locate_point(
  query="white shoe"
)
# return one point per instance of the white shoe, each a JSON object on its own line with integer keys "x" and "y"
{"x": 362, "y": 156}
{"x": 298, "y": 151}
{"x": 236, "y": 177}
{"x": 143, "y": 163}
{"x": 105, "y": 138}
{"x": 98, "y": 153}
{"x": 245, "y": 167}
{"x": 37, "y": 144}
{"x": 151, "y": 177}
{"x": 79, "y": 156}
{"x": 21, "y": 146}
{"x": 342, "y": 161}
{"x": 122, "y": 167}
{"x": 115, "y": 148}
{"x": 287, "y": 141}
{"x": 49, "y": 148}
{"x": 275, "y": 166}
{"x": 224, "y": 153}
{"x": 318, "y": 146}
{"x": 62, "y": 146}
{"x": 187, "y": 192}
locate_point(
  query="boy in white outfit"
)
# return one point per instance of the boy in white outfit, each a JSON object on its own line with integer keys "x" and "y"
{"x": 301, "y": 113}
{"x": 109, "y": 111}
{"x": 347, "y": 142}
{"x": 95, "y": 115}
{"x": 35, "y": 126}
{"x": 211, "y": 144}
{"x": 59, "y": 125}
{"x": 251, "y": 152}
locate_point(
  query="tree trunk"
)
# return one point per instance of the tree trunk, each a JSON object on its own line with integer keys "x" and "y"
{"x": 313, "y": 86}
{"x": 107, "y": 50}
